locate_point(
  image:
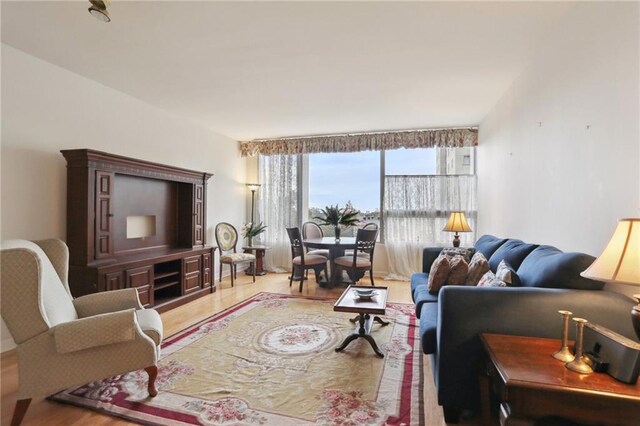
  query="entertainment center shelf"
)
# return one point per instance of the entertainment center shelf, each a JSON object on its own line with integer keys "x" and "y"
{"x": 136, "y": 224}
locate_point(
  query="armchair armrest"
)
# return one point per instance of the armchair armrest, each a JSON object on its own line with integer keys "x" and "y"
{"x": 107, "y": 301}
{"x": 98, "y": 330}
{"x": 465, "y": 312}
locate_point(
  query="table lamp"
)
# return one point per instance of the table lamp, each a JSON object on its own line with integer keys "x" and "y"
{"x": 620, "y": 262}
{"x": 457, "y": 223}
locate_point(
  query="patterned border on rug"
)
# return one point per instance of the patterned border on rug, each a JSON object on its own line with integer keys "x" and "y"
{"x": 401, "y": 375}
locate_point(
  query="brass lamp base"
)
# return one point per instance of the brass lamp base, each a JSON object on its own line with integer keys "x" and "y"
{"x": 580, "y": 366}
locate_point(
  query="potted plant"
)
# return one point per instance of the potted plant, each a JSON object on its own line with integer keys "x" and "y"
{"x": 335, "y": 216}
{"x": 250, "y": 230}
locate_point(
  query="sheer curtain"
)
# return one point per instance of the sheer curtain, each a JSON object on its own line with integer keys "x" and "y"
{"x": 416, "y": 208}
{"x": 278, "y": 207}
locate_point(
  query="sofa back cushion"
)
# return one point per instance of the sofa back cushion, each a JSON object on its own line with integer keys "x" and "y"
{"x": 488, "y": 244}
{"x": 549, "y": 267}
{"x": 513, "y": 251}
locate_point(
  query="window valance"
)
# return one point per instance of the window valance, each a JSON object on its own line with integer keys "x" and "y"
{"x": 430, "y": 138}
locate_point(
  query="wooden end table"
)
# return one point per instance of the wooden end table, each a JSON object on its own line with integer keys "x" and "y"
{"x": 377, "y": 305}
{"x": 259, "y": 252}
{"x": 531, "y": 384}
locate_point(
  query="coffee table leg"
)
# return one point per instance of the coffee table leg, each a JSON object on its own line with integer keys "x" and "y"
{"x": 380, "y": 321}
{"x": 374, "y": 345}
{"x": 350, "y": 338}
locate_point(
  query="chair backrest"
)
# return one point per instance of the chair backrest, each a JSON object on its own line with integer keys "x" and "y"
{"x": 226, "y": 237}
{"x": 34, "y": 297}
{"x": 311, "y": 230}
{"x": 371, "y": 225}
{"x": 297, "y": 249}
{"x": 365, "y": 242}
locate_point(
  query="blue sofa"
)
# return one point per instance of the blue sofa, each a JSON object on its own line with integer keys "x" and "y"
{"x": 452, "y": 320}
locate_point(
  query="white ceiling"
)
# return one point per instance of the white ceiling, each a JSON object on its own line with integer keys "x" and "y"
{"x": 257, "y": 69}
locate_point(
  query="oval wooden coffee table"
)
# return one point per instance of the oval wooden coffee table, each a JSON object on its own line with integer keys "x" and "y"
{"x": 350, "y": 302}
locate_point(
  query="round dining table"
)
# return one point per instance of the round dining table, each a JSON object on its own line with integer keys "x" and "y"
{"x": 336, "y": 249}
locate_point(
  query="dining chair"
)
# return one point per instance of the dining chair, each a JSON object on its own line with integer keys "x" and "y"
{"x": 227, "y": 239}
{"x": 313, "y": 230}
{"x": 301, "y": 262}
{"x": 364, "y": 253}
{"x": 356, "y": 265}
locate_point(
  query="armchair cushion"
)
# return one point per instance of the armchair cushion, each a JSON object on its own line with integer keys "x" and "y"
{"x": 108, "y": 301}
{"x": 98, "y": 330}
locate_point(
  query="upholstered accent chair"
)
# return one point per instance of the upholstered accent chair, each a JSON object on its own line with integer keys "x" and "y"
{"x": 357, "y": 265}
{"x": 313, "y": 230}
{"x": 62, "y": 341}
{"x": 301, "y": 262}
{"x": 227, "y": 240}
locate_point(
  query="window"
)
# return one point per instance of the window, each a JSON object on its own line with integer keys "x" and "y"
{"x": 346, "y": 179}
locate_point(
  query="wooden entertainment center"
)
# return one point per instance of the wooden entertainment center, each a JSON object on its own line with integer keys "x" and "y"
{"x": 136, "y": 224}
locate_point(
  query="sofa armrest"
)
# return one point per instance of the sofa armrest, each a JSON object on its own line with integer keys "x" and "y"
{"x": 98, "y": 330}
{"x": 107, "y": 301}
{"x": 429, "y": 254}
{"x": 465, "y": 312}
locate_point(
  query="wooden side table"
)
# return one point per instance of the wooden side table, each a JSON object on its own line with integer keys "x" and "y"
{"x": 259, "y": 251}
{"x": 531, "y": 384}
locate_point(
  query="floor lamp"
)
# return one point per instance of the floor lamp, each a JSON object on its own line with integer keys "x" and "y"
{"x": 253, "y": 187}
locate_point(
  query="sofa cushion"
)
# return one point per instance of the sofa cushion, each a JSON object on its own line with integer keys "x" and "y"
{"x": 477, "y": 268}
{"x": 418, "y": 280}
{"x": 488, "y": 244}
{"x": 549, "y": 267}
{"x": 506, "y": 273}
{"x": 438, "y": 274}
{"x": 513, "y": 251}
{"x": 429, "y": 327}
{"x": 423, "y": 296}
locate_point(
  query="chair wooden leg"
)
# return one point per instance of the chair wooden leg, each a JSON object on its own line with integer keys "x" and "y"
{"x": 371, "y": 277}
{"x": 253, "y": 266}
{"x": 153, "y": 373}
{"x": 231, "y": 274}
{"x": 293, "y": 271}
{"x": 220, "y": 272}
{"x": 302, "y": 280}
{"x": 21, "y": 409}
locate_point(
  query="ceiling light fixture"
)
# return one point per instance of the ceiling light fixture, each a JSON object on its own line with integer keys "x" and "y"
{"x": 99, "y": 10}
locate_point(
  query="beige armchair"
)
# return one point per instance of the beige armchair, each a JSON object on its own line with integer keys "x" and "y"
{"x": 64, "y": 342}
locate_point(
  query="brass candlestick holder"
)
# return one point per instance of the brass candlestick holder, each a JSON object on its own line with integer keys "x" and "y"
{"x": 578, "y": 364}
{"x": 564, "y": 354}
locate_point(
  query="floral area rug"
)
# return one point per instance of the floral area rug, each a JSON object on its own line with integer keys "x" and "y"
{"x": 271, "y": 360}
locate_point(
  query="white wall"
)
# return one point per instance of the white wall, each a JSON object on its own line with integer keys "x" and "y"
{"x": 559, "y": 155}
{"x": 46, "y": 108}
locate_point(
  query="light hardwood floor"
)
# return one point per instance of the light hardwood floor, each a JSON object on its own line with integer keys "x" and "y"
{"x": 43, "y": 412}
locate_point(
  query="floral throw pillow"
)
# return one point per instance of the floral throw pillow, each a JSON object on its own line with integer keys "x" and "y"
{"x": 458, "y": 270}
{"x": 490, "y": 280}
{"x": 438, "y": 274}
{"x": 477, "y": 268}
{"x": 507, "y": 274}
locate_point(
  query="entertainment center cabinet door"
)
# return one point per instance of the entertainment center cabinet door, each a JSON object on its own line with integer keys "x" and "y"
{"x": 191, "y": 274}
{"x": 141, "y": 279}
{"x": 104, "y": 214}
{"x": 207, "y": 270}
{"x": 198, "y": 215}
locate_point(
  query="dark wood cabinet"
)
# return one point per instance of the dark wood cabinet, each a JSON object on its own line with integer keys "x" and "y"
{"x": 137, "y": 224}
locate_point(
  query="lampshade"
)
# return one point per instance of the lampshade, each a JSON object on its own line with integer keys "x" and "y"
{"x": 457, "y": 223}
{"x": 253, "y": 186}
{"x": 620, "y": 260}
